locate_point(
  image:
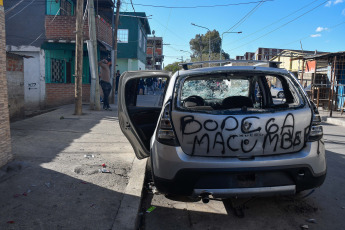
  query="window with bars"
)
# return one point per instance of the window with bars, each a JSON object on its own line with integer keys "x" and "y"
{"x": 66, "y": 8}
{"x": 57, "y": 70}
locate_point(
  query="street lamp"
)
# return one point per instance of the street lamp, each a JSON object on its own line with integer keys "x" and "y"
{"x": 209, "y": 43}
{"x": 187, "y": 52}
{"x": 221, "y": 43}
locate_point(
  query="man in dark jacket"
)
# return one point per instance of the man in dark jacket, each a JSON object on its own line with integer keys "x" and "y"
{"x": 105, "y": 81}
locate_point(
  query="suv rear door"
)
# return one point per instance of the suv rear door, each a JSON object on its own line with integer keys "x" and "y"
{"x": 138, "y": 113}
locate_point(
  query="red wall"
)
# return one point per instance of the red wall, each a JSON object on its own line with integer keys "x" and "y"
{"x": 63, "y": 94}
{"x": 63, "y": 27}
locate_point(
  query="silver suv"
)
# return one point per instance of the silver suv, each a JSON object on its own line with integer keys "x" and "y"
{"x": 219, "y": 132}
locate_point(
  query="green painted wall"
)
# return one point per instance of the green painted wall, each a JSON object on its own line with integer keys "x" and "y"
{"x": 65, "y": 56}
{"x": 122, "y": 65}
{"x": 131, "y": 49}
{"x": 53, "y": 7}
{"x": 128, "y": 50}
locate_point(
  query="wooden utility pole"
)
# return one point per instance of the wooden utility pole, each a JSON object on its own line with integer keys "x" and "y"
{"x": 79, "y": 59}
{"x": 118, "y": 4}
{"x": 94, "y": 94}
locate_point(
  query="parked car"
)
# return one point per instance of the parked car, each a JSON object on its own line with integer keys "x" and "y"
{"x": 277, "y": 92}
{"x": 212, "y": 134}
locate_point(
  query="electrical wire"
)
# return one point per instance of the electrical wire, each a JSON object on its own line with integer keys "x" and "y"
{"x": 13, "y": 7}
{"x": 205, "y": 6}
{"x": 7, "y": 19}
{"x": 285, "y": 24}
{"x": 301, "y": 39}
{"x": 243, "y": 19}
{"x": 261, "y": 29}
{"x": 132, "y": 6}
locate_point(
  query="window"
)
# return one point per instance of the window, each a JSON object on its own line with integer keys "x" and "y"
{"x": 215, "y": 89}
{"x": 122, "y": 36}
{"x": 140, "y": 41}
{"x": 66, "y": 8}
{"x": 57, "y": 70}
{"x": 223, "y": 93}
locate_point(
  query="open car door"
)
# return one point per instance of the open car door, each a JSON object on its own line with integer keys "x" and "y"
{"x": 140, "y": 98}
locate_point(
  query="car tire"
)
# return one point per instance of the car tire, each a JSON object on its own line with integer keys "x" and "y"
{"x": 280, "y": 95}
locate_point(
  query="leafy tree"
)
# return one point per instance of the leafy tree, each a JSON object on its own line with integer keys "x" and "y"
{"x": 173, "y": 67}
{"x": 200, "y": 45}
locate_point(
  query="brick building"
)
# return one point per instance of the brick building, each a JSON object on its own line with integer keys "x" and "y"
{"x": 49, "y": 38}
{"x": 154, "y": 53}
{"x": 5, "y": 136}
{"x": 15, "y": 85}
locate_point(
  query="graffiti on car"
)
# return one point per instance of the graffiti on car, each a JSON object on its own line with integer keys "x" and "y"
{"x": 243, "y": 134}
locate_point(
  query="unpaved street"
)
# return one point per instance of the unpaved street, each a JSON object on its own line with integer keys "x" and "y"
{"x": 325, "y": 206}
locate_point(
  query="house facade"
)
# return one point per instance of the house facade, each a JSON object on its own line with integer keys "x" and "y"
{"x": 155, "y": 57}
{"x": 132, "y": 41}
{"x": 46, "y": 33}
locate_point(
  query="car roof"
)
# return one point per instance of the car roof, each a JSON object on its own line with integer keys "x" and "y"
{"x": 197, "y": 71}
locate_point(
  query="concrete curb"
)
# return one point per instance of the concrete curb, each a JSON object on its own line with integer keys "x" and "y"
{"x": 335, "y": 121}
{"x": 127, "y": 216}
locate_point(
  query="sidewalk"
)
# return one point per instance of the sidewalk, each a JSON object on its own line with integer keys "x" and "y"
{"x": 336, "y": 119}
{"x": 55, "y": 182}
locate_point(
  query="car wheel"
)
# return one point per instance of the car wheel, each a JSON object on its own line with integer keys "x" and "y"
{"x": 280, "y": 95}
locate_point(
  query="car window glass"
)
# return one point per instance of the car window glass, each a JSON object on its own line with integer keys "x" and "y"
{"x": 146, "y": 92}
{"x": 210, "y": 89}
{"x": 238, "y": 92}
{"x": 276, "y": 90}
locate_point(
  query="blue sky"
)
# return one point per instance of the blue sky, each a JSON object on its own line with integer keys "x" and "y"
{"x": 318, "y": 24}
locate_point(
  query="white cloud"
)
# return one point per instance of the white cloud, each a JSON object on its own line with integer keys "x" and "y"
{"x": 320, "y": 29}
{"x": 315, "y": 35}
{"x": 328, "y": 4}
{"x": 334, "y": 2}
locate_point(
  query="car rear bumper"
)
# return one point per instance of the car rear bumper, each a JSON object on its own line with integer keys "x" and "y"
{"x": 243, "y": 182}
{"x": 175, "y": 172}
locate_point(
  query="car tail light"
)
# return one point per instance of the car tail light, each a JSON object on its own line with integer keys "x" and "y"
{"x": 316, "y": 131}
{"x": 165, "y": 132}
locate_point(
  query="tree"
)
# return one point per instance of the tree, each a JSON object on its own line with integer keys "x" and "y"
{"x": 200, "y": 44}
{"x": 173, "y": 67}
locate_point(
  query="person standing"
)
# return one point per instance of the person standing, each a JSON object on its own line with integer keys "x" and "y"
{"x": 105, "y": 81}
{"x": 117, "y": 80}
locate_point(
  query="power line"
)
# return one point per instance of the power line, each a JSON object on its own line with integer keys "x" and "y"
{"x": 7, "y": 11}
{"x": 132, "y": 6}
{"x": 245, "y": 17}
{"x": 309, "y": 35}
{"x": 261, "y": 29}
{"x": 205, "y": 6}
{"x": 285, "y": 24}
{"x": 20, "y": 10}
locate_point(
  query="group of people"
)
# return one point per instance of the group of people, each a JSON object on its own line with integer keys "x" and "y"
{"x": 150, "y": 85}
{"x": 104, "y": 77}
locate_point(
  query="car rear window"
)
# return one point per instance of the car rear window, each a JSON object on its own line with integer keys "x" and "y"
{"x": 238, "y": 92}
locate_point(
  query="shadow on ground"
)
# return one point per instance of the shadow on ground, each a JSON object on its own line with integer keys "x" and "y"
{"x": 52, "y": 185}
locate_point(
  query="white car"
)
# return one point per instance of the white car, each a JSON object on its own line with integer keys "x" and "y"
{"x": 277, "y": 92}
{"x": 218, "y": 132}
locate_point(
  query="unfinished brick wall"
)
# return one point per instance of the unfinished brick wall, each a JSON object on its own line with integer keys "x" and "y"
{"x": 15, "y": 85}
{"x": 63, "y": 94}
{"x": 5, "y": 136}
{"x": 63, "y": 28}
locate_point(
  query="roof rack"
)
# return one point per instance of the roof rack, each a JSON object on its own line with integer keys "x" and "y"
{"x": 258, "y": 62}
